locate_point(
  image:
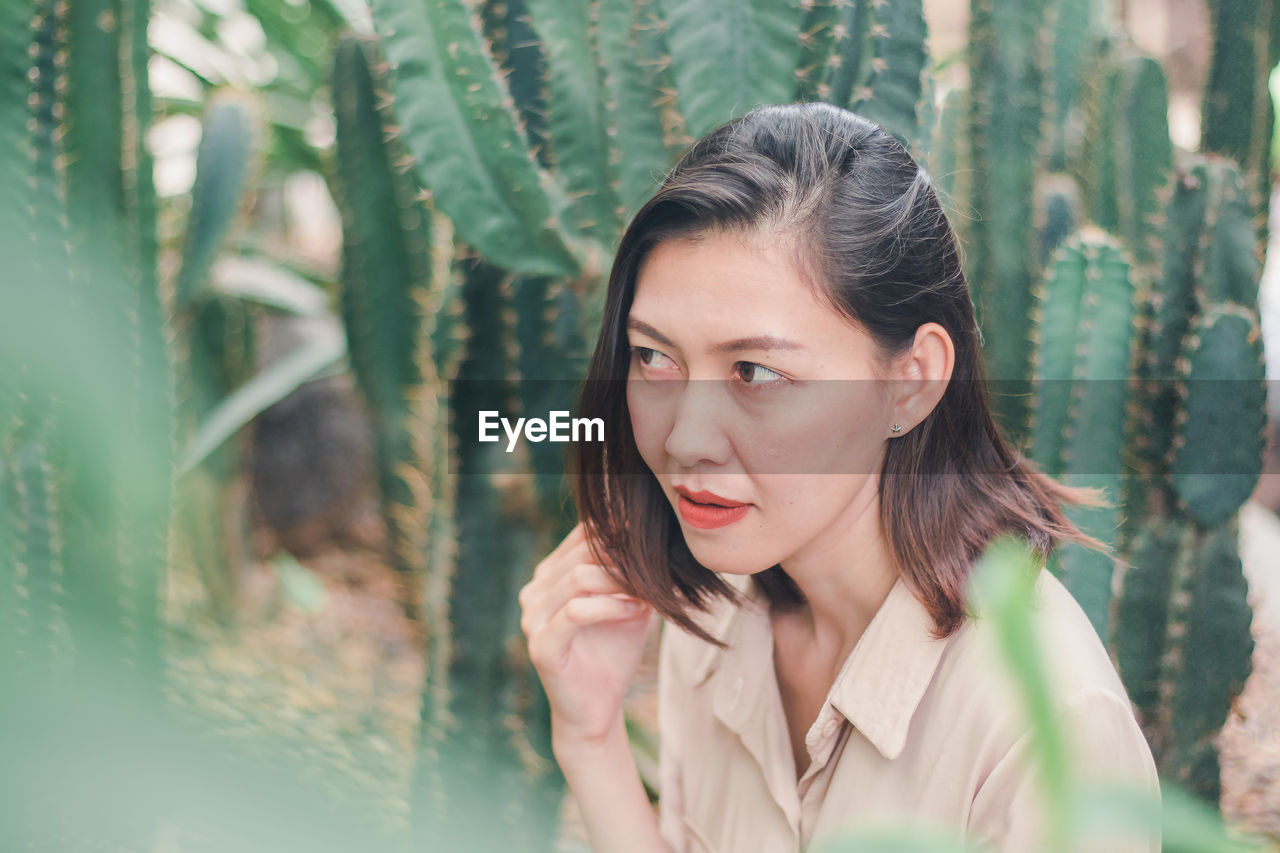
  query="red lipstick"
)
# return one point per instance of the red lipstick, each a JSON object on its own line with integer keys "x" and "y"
{"x": 707, "y": 510}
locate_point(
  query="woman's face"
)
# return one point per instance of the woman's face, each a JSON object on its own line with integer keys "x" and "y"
{"x": 743, "y": 385}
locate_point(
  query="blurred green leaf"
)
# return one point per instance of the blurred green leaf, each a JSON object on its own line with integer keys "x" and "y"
{"x": 302, "y": 589}
{"x": 222, "y": 167}
{"x": 1001, "y": 588}
{"x": 259, "y": 280}
{"x": 326, "y": 346}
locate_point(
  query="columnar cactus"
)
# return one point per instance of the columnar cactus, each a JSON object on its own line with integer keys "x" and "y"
{"x": 1209, "y": 266}
{"x": 84, "y": 391}
{"x": 1083, "y": 326}
{"x": 1237, "y": 114}
{"x": 1005, "y": 117}
{"x": 868, "y": 57}
{"x": 386, "y": 271}
{"x": 1197, "y": 421}
{"x": 1177, "y": 446}
{"x": 429, "y": 345}
{"x": 1173, "y": 431}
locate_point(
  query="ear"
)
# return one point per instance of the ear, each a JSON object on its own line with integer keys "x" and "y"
{"x": 921, "y": 377}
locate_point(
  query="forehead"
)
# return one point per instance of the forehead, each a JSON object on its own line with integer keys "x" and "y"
{"x": 720, "y": 265}
{"x": 733, "y": 283}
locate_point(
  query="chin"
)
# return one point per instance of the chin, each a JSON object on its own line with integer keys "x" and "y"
{"x": 717, "y": 560}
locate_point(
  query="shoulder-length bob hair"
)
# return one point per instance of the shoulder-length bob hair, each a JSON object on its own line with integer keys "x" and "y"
{"x": 865, "y": 222}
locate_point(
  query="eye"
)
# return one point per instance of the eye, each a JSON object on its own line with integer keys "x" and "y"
{"x": 648, "y": 356}
{"x": 765, "y": 378}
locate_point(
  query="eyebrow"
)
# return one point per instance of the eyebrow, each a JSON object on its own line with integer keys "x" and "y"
{"x": 757, "y": 342}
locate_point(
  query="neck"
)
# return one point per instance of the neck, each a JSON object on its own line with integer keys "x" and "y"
{"x": 845, "y": 575}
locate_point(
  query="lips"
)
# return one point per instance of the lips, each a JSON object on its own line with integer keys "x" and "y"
{"x": 705, "y": 497}
{"x": 707, "y": 510}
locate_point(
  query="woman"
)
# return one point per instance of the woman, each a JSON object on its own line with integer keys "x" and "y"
{"x": 799, "y": 471}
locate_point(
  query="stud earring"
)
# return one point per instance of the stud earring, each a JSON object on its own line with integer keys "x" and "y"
{"x": 896, "y": 428}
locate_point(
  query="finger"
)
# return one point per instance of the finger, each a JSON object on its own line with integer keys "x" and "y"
{"x": 580, "y": 579}
{"x": 553, "y": 567}
{"x": 571, "y": 540}
{"x": 550, "y": 645}
{"x": 579, "y": 549}
{"x": 599, "y": 553}
{"x": 565, "y": 550}
{"x": 569, "y": 554}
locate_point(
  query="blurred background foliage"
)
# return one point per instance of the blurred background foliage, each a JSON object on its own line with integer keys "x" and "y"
{"x": 268, "y": 258}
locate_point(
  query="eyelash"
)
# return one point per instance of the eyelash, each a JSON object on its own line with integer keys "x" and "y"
{"x": 753, "y": 388}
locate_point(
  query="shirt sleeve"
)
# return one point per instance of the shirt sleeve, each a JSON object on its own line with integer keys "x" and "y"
{"x": 670, "y": 789}
{"x": 1104, "y": 744}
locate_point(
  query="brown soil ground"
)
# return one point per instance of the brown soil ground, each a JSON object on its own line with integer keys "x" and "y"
{"x": 1250, "y": 743}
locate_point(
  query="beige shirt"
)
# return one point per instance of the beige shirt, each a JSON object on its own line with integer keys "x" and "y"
{"x": 914, "y": 730}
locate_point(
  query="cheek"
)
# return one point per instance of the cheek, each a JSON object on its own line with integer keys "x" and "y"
{"x": 649, "y": 424}
{"x": 828, "y": 430}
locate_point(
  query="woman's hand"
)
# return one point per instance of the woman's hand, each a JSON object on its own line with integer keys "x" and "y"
{"x": 586, "y": 637}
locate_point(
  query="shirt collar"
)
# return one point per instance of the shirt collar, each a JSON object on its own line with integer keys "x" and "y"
{"x": 880, "y": 684}
{"x": 719, "y": 621}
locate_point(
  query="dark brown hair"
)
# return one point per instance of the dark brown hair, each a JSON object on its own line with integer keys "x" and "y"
{"x": 868, "y": 229}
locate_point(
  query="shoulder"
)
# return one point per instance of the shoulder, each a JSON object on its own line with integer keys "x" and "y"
{"x": 1069, "y": 643}
{"x": 1074, "y": 659}
{"x": 975, "y": 691}
{"x": 1086, "y": 696}
{"x": 987, "y": 712}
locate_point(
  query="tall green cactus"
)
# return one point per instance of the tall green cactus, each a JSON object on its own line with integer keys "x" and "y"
{"x": 1083, "y": 330}
{"x": 458, "y": 124}
{"x": 84, "y": 411}
{"x": 730, "y": 55}
{"x": 578, "y": 120}
{"x": 1145, "y": 154}
{"x": 1006, "y": 113}
{"x": 1209, "y": 262}
{"x": 1165, "y": 410}
{"x": 1180, "y": 444}
{"x": 631, "y": 53}
{"x": 385, "y": 271}
{"x": 1238, "y": 113}
{"x": 868, "y": 57}
{"x": 1202, "y": 411}
{"x": 428, "y": 345}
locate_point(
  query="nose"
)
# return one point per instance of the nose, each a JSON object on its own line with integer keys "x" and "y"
{"x": 698, "y": 428}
